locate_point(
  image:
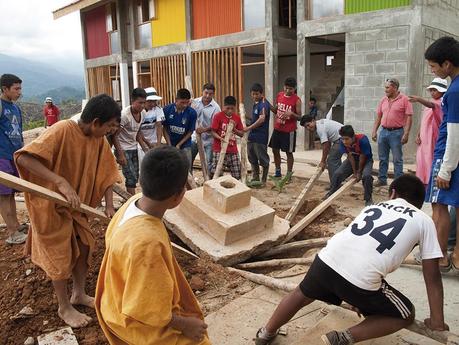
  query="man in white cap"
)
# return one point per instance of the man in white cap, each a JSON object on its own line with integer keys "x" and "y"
{"x": 151, "y": 127}
{"x": 430, "y": 124}
{"x": 50, "y": 112}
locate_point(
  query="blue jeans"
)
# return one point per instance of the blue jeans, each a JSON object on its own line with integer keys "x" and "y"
{"x": 390, "y": 141}
{"x": 207, "y": 150}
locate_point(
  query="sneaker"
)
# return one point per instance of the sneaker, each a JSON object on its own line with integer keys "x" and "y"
{"x": 369, "y": 202}
{"x": 380, "y": 183}
{"x": 263, "y": 337}
{"x": 278, "y": 173}
{"x": 336, "y": 338}
{"x": 16, "y": 238}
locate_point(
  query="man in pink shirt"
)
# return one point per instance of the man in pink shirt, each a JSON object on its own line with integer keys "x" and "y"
{"x": 394, "y": 116}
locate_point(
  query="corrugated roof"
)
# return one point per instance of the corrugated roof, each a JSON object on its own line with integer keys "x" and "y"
{"x": 73, "y": 6}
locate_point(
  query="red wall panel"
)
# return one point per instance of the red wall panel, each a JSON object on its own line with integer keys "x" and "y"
{"x": 216, "y": 17}
{"x": 97, "y": 43}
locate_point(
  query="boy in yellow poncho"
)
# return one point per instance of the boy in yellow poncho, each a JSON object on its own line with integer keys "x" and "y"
{"x": 142, "y": 296}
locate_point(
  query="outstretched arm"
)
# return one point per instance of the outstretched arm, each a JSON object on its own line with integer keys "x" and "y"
{"x": 434, "y": 286}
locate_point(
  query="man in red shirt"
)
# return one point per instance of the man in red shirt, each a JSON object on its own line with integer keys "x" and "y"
{"x": 220, "y": 123}
{"x": 50, "y": 112}
{"x": 394, "y": 115}
{"x": 288, "y": 111}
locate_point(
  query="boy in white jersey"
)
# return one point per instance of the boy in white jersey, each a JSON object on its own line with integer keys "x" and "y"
{"x": 352, "y": 267}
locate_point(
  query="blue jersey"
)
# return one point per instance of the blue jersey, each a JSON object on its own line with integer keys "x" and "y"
{"x": 178, "y": 124}
{"x": 260, "y": 134}
{"x": 10, "y": 130}
{"x": 450, "y": 106}
{"x": 360, "y": 146}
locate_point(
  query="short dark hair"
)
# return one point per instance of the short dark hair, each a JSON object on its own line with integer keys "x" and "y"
{"x": 256, "y": 88}
{"x": 163, "y": 173}
{"x": 101, "y": 107}
{"x": 313, "y": 99}
{"x": 7, "y": 80}
{"x": 347, "y": 131}
{"x": 208, "y": 86}
{"x": 445, "y": 48}
{"x": 183, "y": 94}
{"x": 290, "y": 81}
{"x": 229, "y": 100}
{"x": 410, "y": 188}
{"x": 305, "y": 119}
{"x": 138, "y": 92}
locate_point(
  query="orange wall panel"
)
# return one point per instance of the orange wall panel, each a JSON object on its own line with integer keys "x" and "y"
{"x": 216, "y": 17}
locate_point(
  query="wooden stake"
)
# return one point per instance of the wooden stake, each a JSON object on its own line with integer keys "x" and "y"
{"x": 183, "y": 250}
{"x": 190, "y": 182}
{"x": 305, "y": 245}
{"x": 32, "y": 188}
{"x": 243, "y": 145}
{"x": 298, "y": 227}
{"x": 202, "y": 157}
{"x": 265, "y": 280}
{"x": 277, "y": 263}
{"x": 121, "y": 192}
{"x": 224, "y": 146}
{"x": 302, "y": 197}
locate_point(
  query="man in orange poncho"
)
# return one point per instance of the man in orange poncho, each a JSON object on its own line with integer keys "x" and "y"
{"x": 74, "y": 159}
{"x": 142, "y": 296}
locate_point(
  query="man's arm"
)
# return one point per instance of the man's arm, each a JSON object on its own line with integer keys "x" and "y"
{"x": 426, "y": 103}
{"x": 352, "y": 161}
{"x": 407, "y": 129}
{"x": 261, "y": 119}
{"x": 374, "y": 135}
{"x": 34, "y": 166}
{"x": 166, "y": 135}
{"x": 325, "y": 151}
{"x": 186, "y": 136}
{"x": 191, "y": 327}
{"x": 362, "y": 162}
{"x": 159, "y": 133}
{"x": 434, "y": 286}
{"x": 109, "y": 208}
{"x": 144, "y": 143}
{"x": 119, "y": 151}
{"x": 297, "y": 113}
{"x": 216, "y": 136}
{"x": 450, "y": 157}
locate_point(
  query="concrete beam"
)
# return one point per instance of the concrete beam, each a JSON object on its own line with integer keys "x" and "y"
{"x": 271, "y": 49}
{"x": 103, "y": 61}
{"x": 304, "y": 83}
{"x": 124, "y": 84}
{"x": 440, "y": 19}
{"x": 83, "y": 42}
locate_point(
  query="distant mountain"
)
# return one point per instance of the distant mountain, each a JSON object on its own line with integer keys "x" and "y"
{"x": 39, "y": 77}
{"x": 59, "y": 95}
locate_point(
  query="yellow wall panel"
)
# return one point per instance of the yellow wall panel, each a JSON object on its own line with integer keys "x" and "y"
{"x": 169, "y": 25}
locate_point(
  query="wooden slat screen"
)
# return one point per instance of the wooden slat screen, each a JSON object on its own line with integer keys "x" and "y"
{"x": 220, "y": 67}
{"x": 99, "y": 80}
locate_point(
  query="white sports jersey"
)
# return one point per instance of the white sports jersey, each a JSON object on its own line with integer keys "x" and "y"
{"x": 148, "y": 127}
{"x": 377, "y": 242}
{"x": 129, "y": 129}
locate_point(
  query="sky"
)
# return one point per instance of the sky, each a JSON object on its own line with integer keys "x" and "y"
{"x": 28, "y": 30}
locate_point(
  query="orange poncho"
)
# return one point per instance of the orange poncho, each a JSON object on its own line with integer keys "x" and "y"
{"x": 89, "y": 166}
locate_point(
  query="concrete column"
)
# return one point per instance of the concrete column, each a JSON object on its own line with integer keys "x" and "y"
{"x": 124, "y": 82}
{"x": 303, "y": 80}
{"x": 189, "y": 35}
{"x": 83, "y": 42}
{"x": 271, "y": 50}
{"x": 135, "y": 79}
{"x": 123, "y": 16}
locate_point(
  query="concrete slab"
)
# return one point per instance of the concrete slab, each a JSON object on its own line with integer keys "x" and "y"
{"x": 64, "y": 336}
{"x": 226, "y": 194}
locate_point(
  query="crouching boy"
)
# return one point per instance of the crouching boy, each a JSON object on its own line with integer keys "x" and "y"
{"x": 142, "y": 296}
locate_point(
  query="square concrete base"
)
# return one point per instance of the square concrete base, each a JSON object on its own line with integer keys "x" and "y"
{"x": 202, "y": 243}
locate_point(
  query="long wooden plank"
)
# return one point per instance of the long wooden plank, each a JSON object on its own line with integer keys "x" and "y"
{"x": 299, "y": 202}
{"x": 224, "y": 146}
{"x": 298, "y": 227}
{"x": 121, "y": 192}
{"x": 202, "y": 157}
{"x": 243, "y": 145}
{"x": 277, "y": 263}
{"x": 32, "y": 188}
{"x": 304, "y": 244}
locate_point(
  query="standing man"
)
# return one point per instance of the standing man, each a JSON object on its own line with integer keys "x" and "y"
{"x": 394, "y": 116}
{"x": 180, "y": 123}
{"x": 10, "y": 141}
{"x": 50, "y": 112}
{"x": 443, "y": 188}
{"x": 206, "y": 107}
{"x": 152, "y": 127}
{"x": 328, "y": 132}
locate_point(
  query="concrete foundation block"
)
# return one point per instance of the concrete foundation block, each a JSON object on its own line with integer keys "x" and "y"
{"x": 226, "y": 194}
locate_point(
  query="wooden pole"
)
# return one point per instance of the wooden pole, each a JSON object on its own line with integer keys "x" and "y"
{"x": 224, "y": 146}
{"x": 416, "y": 327}
{"x": 121, "y": 192}
{"x": 243, "y": 145}
{"x": 298, "y": 227}
{"x": 277, "y": 263}
{"x": 202, "y": 157}
{"x": 302, "y": 197}
{"x": 305, "y": 245}
{"x": 32, "y": 188}
{"x": 190, "y": 182}
{"x": 183, "y": 250}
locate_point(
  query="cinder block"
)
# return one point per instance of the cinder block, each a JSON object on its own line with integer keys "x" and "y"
{"x": 350, "y": 47}
{"x": 385, "y": 68}
{"x": 374, "y": 35}
{"x": 390, "y": 44}
{"x": 355, "y": 36}
{"x": 354, "y": 81}
{"x": 398, "y": 55}
{"x": 402, "y": 43}
{"x": 374, "y": 80}
{"x": 354, "y": 102}
{"x": 401, "y": 67}
{"x": 397, "y": 32}
{"x": 226, "y": 194}
{"x": 355, "y": 59}
{"x": 365, "y": 46}
{"x": 363, "y": 69}
{"x": 375, "y": 57}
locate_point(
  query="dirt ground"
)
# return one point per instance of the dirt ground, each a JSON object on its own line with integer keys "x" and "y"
{"x": 212, "y": 283}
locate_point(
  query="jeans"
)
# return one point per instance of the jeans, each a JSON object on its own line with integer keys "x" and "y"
{"x": 131, "y": 169}
{"x": 207, "y": 151}
{"x": 345, "y": 170}
{"x": 390, "y": 141}
{"x": 187, "y": 151}
{"x": 333, "y": 159}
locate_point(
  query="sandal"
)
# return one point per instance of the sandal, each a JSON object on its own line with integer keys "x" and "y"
{"x": 446, "y": 268}
{"x": 453, "y": 266}
{"x": 262, "y": 338}
{"x": 16, "y": 238}
{"x": 24, "y": 228}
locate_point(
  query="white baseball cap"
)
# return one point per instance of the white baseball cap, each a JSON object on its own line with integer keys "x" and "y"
{"x": 48, "y": 100}
{"x": 152, "y": 95}
{"x": 438, "y": 84}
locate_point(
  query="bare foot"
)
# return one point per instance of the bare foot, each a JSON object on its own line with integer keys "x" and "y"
{"x": 455, "y": 260}
{"x": 73, "y": 317}
{"x": 85, "y": 300}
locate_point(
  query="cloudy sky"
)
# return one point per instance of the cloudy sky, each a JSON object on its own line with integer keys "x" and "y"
{"x": 28, "y": 30}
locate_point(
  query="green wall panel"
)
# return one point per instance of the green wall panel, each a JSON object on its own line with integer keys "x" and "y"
{"x": 357, "y": 6}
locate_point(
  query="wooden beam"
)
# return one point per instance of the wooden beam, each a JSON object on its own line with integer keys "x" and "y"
{"x": 183, "y": 250}
{"x": 121, "y": 192}
{"x": 277, "y": 263}
{"x": 243, "y": 145}
{"x": 224, "y": 146}
{"x": 308, "y": 219}
{"x": 202, "y": 157}
{"x": 190, "y": 182}
{"x": 32, "y": 188}
{"x": 302, "y": 197}
{"x": 305, "y": 245}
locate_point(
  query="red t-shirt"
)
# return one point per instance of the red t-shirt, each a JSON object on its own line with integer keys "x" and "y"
{"x": 284, "y": 104}
{"x": 219, "y": 124}
{"x": 51, "y": 114}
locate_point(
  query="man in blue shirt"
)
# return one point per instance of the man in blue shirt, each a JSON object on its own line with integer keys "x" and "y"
{"x": 359, "y": 162}
{"x": 257, "y": 147}
{"x": 180, "y": 122}
{"x": 443, "y": 188}
{"x": 10, "y": 141}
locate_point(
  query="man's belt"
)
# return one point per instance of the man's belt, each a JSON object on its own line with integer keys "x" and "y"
{"x": 390, "y": 129}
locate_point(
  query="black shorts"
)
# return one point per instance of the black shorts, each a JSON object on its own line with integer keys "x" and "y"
{"x": 324, "y": 284}
{"x": 284, "y": 141}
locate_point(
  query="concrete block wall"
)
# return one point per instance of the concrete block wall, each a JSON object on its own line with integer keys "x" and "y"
{"x": 372, "y": 56}
{"x": 444, "y": 4}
